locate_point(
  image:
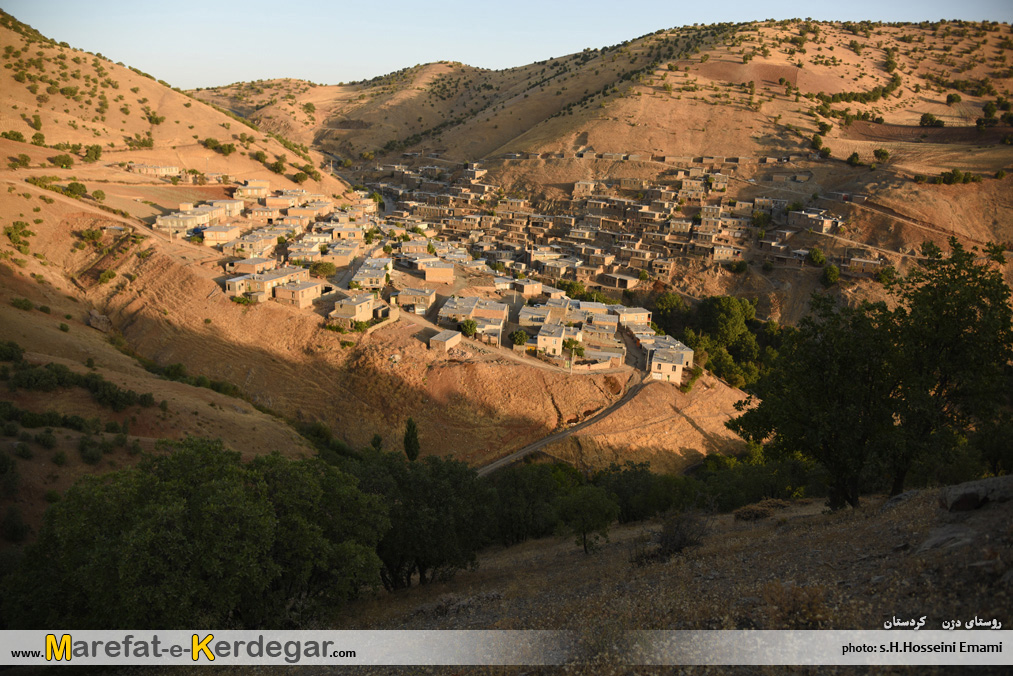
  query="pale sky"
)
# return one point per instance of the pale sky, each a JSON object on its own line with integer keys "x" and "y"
{"x": 215, "y": 42}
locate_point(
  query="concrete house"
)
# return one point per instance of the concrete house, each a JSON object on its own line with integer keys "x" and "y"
{"x": 551, "y": 337}
{"x": 667, "y": 359}
{"x": 217, "y": 235}
{"x": 299, "y": 294}
{"x": 444, "y": 340}
{"x": 417, "y": 301}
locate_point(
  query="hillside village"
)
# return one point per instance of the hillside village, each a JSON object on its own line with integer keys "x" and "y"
{"x": 447, "y": 226}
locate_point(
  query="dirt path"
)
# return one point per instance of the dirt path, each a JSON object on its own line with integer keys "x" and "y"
{"x": 562, "y": 434}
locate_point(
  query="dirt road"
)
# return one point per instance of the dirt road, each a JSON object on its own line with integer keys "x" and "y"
{"x": 562, "y": 434}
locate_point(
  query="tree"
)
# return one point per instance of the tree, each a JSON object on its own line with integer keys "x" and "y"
{"x": 76, "y": 189}
{"x": 816, "y": 256}
{"x": 956, "y": 327}
{"x": 323, "y": 269}
{"x": 643, "y": 275}
{"x": 953, "y": 98}
{"x": 468, "y": 327}
{"x": 825, "y": 396}
{"x": 519, "y": 337}
{"x": 267, "y": 541}
{"x": 411, "y": 440}
{"x": 98, "y": 195}
{"x": 930, "y": 120}
{"x": 724, "y": 318}
{"x": 437, "y": 512}
{"x": 93, "y": 153}
{"x": 830, "y": 275}
{"x": 300, "y": 177}
{"x": 62, "y": 161}
{"x": 39, "y": 139}
{"x": 588, "y": 512}
{"x": 573, "y": 346}
{"x": 825, "y": 152}
{"x": 881, "y": 154}
{"x": 854, "y": 160}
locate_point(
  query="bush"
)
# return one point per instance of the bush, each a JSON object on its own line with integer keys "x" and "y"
{"x": 59, "y": 458}
{"x": 752, "y": 513}
{"x": 46, "y": 439}
{"x": 830, "y": 275}
{"x": 106, "y": 276}
{"x": 24, "y": 451}
{"x": 680, "y": 530}
{"x": 22, "y": 304}
{"x": 64, "y": 327}
{"x": 53, "y": 496}
{"x": 89, "y": 450}
{"x": 62, "y": 161}
{"x": 952, "y": 98}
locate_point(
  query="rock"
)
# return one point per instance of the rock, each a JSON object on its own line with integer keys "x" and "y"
{"x": 947, "y": 537}
{"x": 976, "y": 494}
{"x": 898, "y": 499}
{"x": 100, "y": 322}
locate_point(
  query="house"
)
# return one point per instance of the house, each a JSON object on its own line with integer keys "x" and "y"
{"x": 816, "y": 220}
{"x": 252, "y": 189}
{"x": 299, "y": 294}
{"x": 233, "y": 208}
{"x": 251, "y": 266}
{"x": 415, "y": 300}
{"x": 153, "y": 170}
{"x": 355, "y": 308}
{"x": 251, "y": 245}
{"x": 457, "y": 309}
{"x": 220, "y": 234}
{"x": 528, "y": 287}
{"x": 551, "y": 337}
{"x": 439, "y": 273}
{"x": 444, "y": 340}
{"x": 631, "y": 315}
{"x": 667, "y": 358}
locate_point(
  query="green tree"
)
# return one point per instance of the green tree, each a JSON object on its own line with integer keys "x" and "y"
{"x": 724, "y": 318}
{"x": 588, "y": 512}
{"x": 881, "y": 154}
{"x": 62, "y": 161}
{"x": 468, "y": 327}
{"x": 956, "y": 327}
{"x": 826, "y": 395}
{"x": 39, "y": 139}
{"x": 525, "y": 504}
{"x": 76, "y": 189}
{"x": 643, "y": 275}
{"x": 411, "y": 440}
{"x": 437, "y": 512}
{"x": 816, "y": 256}
{"x": 953, "y": 98}
{"x": 854, "y": 160}
{"x": 98, "y": 195}
{"x": 300, "y": 177}
{"x": 519, "y": 337}
{"x": 93, "y": 153}
{"x": 323, "y": 269}
{"x": 197, "y": 538}
{"x": 830, "y": 275}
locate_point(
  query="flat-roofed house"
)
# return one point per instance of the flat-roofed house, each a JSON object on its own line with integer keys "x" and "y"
{"x": 251, "y": 266}
{"x": 415, "y": 300}
{"x": 354, "y": 308}
{"x": 220, "y": 234}
{"x": 444, "y": 340}
{"x": 667, "y": 358}
{"x": 439, "y": 273}
{"x": 299, "y": 294}
{"x": 551, "y": 337}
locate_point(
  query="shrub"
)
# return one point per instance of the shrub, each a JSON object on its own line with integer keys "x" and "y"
{"x": 59, "y": 458}
{"x": 62, "y": 161}
{"x": 53, "y": 496}
{"x": 23, "y": 451}
{"x": 90, "y": 451}
{"x": 64, "y": 327}
{"x": 22, "y": 304}
{"x": 46, "y": 439}
{"x": 106, "y": 276}
{"x": 830, "y": 275}
{"x": 752, "y": 513}
{"x": 680, "y": 530}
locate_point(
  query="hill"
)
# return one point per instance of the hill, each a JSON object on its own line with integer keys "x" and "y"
{"x": 683, "y": 91}
{"x": 63, "y": 100}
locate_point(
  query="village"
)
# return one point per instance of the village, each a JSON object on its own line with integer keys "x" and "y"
{"x": 443, "y": 246}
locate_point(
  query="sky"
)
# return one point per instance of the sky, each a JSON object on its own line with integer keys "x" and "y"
{"x": 215, "y": 42}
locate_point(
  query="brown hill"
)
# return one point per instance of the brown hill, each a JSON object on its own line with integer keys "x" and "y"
{"x": 75, "y": 99}
{"x": 683, "y": 91}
